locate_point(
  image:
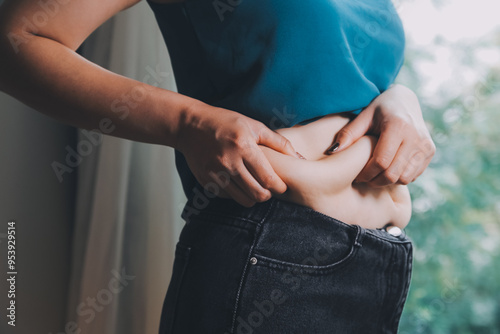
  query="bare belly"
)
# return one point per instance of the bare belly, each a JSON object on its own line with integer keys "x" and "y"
{"x": 325, "y": 182}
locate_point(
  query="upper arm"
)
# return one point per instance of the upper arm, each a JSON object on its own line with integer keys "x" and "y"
{"x": 68, "y": 22}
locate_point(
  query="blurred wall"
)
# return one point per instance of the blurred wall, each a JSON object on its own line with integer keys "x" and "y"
{"x": 31, "y": 194}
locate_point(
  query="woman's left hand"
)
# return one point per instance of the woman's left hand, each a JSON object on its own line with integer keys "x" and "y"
{"x": 404, "y": 148}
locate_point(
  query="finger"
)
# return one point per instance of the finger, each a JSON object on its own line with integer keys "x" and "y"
{"x": 421, "y": 168}
{"x": 400, "y": 165}
{"x": 245, "y": 181}
{"x": 251, "y": 186}
{"x": 418, "y": 173}
{"x": 414, "y": 168}
{"x": 420, "y": 160}
{"x": 352, "y": 131}
{"x": 277, "y": 142}
{"x": 383, "y": 155}
{"x": 261, "y": 169}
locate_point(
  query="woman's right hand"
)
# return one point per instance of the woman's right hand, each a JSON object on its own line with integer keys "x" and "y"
{"x": 221, "y": 149}
{"x": 41, "y": 68}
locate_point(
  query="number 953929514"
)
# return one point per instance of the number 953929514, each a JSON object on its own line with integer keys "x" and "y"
{"x": 11, "y": 245}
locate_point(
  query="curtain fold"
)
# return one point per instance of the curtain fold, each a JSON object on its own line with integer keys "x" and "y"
{"x": 129, "y": 198}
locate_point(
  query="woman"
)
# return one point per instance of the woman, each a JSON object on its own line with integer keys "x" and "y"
{"x": 275, "y": 266}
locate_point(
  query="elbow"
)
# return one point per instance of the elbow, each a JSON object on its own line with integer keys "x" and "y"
{"x": 12, "y": 40}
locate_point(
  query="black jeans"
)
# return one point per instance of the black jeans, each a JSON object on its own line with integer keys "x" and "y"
{"x": 282, "y": 268}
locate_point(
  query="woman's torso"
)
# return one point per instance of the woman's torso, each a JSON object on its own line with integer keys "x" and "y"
{"x": 282, "y": 62}
{"x": 325, "y": 182}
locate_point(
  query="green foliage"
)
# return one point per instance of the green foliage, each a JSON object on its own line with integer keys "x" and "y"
{"x": 456, "y": 219}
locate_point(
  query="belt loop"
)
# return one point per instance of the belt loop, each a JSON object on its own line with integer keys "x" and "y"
{"x": 268, "y": 208}
{"x": 359, "y": 236}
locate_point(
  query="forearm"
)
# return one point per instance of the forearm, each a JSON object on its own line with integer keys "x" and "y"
{"x": 58, "y": 82}
{"x": 47, "y": 74}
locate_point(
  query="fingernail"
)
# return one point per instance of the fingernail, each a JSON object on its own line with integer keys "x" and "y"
{"x": 333, "y": 148}
{"x": 300, "y": 156}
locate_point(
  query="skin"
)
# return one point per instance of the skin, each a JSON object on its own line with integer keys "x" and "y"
{"x": 326, "y": 184}
{"x": 41, "y": 68}
{"x": 405, "y": 147}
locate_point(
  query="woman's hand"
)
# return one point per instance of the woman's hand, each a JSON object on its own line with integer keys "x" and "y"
{"x": 221, "y": 149}
{"x": 405, "y": 147}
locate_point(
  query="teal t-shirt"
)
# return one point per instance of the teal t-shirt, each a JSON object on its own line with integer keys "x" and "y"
{"x": 282, "y": 62}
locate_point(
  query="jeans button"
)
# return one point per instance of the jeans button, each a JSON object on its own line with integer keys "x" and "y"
{"x": 394, "y": 231}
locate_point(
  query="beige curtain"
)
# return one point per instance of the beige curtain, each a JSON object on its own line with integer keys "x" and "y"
{"x": 129, "y": 199}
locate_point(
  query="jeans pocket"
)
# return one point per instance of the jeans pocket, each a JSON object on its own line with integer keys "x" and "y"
{"x": 169, "y": 306}
{"x": 310, "y": 289}
{"x": 316, "y": 253}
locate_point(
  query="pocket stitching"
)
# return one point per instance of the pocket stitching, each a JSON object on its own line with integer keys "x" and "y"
{"x": 311, "y": 269}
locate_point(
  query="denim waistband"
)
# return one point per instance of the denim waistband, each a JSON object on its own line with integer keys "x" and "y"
{"x": 200, "y": 206}
{"x": 273, "y": 210}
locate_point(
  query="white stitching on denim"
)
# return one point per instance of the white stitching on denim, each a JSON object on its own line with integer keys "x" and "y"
{"x": 247, "y": 263}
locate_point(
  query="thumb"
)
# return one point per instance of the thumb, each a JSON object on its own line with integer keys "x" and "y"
{"x": 352, "y": 131}
{"x": 277, "y": 142}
